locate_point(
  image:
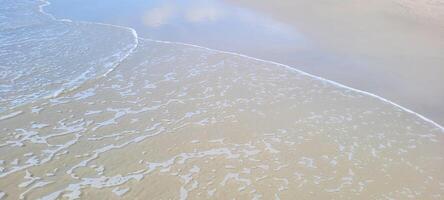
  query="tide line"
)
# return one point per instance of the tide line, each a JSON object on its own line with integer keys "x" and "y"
{"x": 292, "y": 69}
{"x": 309, "y": 75}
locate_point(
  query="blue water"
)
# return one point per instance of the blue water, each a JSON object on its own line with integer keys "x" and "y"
{"x": 41, "y": 57}
{"x": 213, "y": 23}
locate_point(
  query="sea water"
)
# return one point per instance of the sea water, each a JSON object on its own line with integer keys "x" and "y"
{"x": 97, "y": 112}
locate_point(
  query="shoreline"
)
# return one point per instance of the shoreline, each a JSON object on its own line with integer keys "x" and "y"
{"x": 177, "y": 120}
{"x": 294, "y": 69}
{"x": 392, "y": 52}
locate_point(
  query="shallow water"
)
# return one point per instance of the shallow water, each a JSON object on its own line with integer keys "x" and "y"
{"x": 41, "y": 57}
{"x": 210, "y": 23}
{"x": 214, "y": 24}
{"x": 176, "y": 121}
{"x": 374, "y": 46}
{"x": 392, "y": 48}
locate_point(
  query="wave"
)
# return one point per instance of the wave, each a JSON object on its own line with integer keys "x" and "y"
{"x": 337, "y": 84}
{"x": 43, "y": 57}
{"x": 224, "y": 112}
{"x": 74, "y": 84}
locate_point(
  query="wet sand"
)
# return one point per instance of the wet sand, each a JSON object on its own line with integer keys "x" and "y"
{"x": 391, "y": 48}
{"x": 178, "y": 121}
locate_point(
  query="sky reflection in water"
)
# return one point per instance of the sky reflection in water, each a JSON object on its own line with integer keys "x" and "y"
{"x": 212, "y": 23}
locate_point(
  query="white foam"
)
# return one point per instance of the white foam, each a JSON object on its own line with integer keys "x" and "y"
{"x": 307, "y": 162}
{"x": 36, "y": 185}
{"x": 211, "y": 192}
{"x": 270, "y": 148}
{"x": 194, "y": 141}
{"x": 30, "y": 179}
{"x": 120, "y": 192}
{"x": 10, "y": 115}
{"x": 39, "y": 126}
{"x": 75, "y": 83}
{"x": 92, "y": 112}
{"x": 186, "y": 179}
{"x": 136, "y": 38}
{"x": 118, "y": 180}
{"x": 237, "y": 178}
{"x": 309, "y": 75}
{"x": 36, "y": 110}
{"x": 107, "y": 148}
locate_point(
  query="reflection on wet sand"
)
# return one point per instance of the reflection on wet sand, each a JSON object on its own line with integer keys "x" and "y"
{"x": 192, "y": 13}
{"x": 177, "y": 121}
{"x": 391, "y": 48}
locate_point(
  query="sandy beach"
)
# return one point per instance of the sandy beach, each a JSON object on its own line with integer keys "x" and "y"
{"x": 157, "y": 119}
{"x": 231, "y": 128}
{"x": 391, "y": 48}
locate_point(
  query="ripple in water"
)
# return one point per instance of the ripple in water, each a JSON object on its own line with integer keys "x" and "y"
{"x": 175, "y": 121}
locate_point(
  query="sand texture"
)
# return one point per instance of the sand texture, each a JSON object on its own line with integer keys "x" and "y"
{"x": 392, "y": 48}
{"x": 176, "y": 122}
{"x": 163, "y": 120}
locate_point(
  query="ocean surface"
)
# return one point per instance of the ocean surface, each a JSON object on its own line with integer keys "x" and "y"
{"x": 392, "y": 48}
{"x": 91, "y": 110}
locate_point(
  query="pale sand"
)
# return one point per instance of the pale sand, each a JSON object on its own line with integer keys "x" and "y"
{"x": 393, "y": 48}
{"x": 175, "y": 122}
